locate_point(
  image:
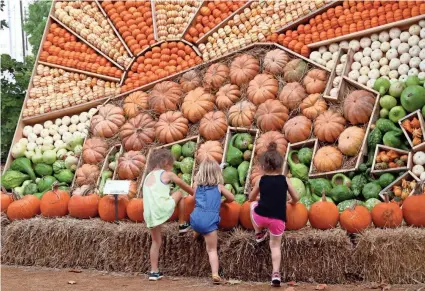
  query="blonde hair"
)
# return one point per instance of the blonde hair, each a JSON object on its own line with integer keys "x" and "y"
{"x": 209, "y": 174}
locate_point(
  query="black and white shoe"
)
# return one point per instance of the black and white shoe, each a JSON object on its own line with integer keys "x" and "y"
{"x": 183, "y": 228}
{"x": 261, "y": 236}
{"x": 275, "y": 280}
{"x": 155, "y": 276}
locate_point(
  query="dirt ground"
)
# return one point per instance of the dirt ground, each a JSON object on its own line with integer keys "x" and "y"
{"x": 42, "y": 279}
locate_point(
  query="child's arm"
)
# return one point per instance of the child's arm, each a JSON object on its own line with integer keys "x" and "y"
{"x": 254, "y": 192}
{"x": 226, "y": 193}
{"x": 292, "y": 192}
{"x": 179, "y": 182}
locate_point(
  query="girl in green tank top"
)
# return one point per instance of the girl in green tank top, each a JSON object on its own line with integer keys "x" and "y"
{"x": 159, "y": 205}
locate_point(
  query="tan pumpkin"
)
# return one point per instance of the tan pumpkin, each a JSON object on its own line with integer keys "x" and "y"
{"x": 256, "y": 173}
{"x": 272, "y": 136}
{"x": 94, "y": 150}
{"x": 297, "y": 129}
{"x": 271, "y": 115}
{"x": 275, "y": 61}
{"x": 263, "y": 87}
{"x": 242, "y": 114}
{"x": 138, "y": 132}
{"x": 216, "y": 75}
{"x": 87, "y": 174}
{"x": 227, "y": 96}
{"x": 315, "y": 81}
{"x": 243, "y": 69}
{"x": 327, "y": 159}
{"x": 190, "y": 80}
{"x": 165, "y": 96}
{"x": 294, "y": 70}
{"x": 350, "y": 141}
{"x": 107, "y": 121}
{"x": 358, "y": 106}
{"x": 130, "y": 165}
{"x": 135, "y": 103}
{"x": 210, "y": 150}
{"x": 171, "y": 126}
{"x": 213, "y": 125}
{"x": 328, "y": 126}
{"x": 292, "y": 95}
{"x": 196, "y": 104}
{"x": 313, "y": 106}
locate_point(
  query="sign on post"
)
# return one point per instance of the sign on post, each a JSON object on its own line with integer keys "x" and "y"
{"x": 116, "y": 187}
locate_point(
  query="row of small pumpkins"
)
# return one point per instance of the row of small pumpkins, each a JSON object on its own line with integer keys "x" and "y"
{"x": 322, "y": 214}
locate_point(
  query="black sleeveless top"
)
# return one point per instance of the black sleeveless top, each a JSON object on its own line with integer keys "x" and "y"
{"x": 272, "y": 202}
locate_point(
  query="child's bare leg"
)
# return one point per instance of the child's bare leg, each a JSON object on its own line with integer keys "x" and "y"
{"x": 211, "y": 244}
{"x": 275, "y": 242}
{"x": 256, "y": 228}
{"x": 179, "y": 199}
{"x": 155, "y": 246}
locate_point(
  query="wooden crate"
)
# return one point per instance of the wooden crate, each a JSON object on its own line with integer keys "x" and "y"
{"x": 232, "y": 131}
{"x": 418, "y": 115}
{"x": 380, "y": 148}
{"x": 311, "y": 143}
{"x": 118, "y": 148}
{"x": 409, "y": 176}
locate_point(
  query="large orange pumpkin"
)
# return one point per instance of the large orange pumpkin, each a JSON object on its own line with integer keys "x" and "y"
{"x": 243, "y": 69}
{"x": 87, "y": 174}
{"x": 271, "y": 115}
{"x": 189, "y": 206}
{"x": 190, "y": 80}
{"x": 138, "y": 132}
{"x": 216, "y": 75}
{"x": 135, "y": 103}
{"x": 107, "y": 121}
{"x": 328, "y": 126}
{"x": 135, "y": 210}
{"x": 297, "y": 129}
{"x": 107, "y": 207}
{"x": 292, "y": 95}
{"x": 245, "y": 215}
{"x": 294, "y": 70}
{"x": 358, "y": 106}
{"x": 327, "y": 159}
{"x": 6, "y": 199}
{"x": 265, "y": 139}
{"x": 130, "y": 165}
{"x": 229, "y": 215}
{"x": 296, "y": 216}
{"x": 227, "y": 96}
{"x": 413, "y": 210}
{"x": 24, "y": 208}
{"x": 211, "y": 150}
{"x": 315, "y": 81}
{"x": 83, "y": 206}
{"x": 355, "y": 219}
{"x": 275, "y": 61}
{"x": 165, "y": 96}
{"x": 171, "y": 127}
{"x": 94, "y": 150}
{"x": 350, "y": 141}
{"x": 256, "y": 173}
{"x": 387, "y": 214}
{"x": 54, "y": 203}
{"x": 263, "y": 87}
{"x": 242, "y": 114}
{"x": 323, "y": 214}
{"x": 312, "y": 106}
{"x": 196, "y": 104}
{"x": 213, "y": 125}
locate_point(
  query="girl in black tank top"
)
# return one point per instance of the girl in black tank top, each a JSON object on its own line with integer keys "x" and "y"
{"x": 270, "y": 212}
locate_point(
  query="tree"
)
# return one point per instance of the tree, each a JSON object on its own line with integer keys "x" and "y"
{"x": 35, "y": 22}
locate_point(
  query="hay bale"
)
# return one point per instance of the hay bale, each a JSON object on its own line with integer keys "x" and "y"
{"x": 396, "y": 256}
{"x": 4, "y": 220}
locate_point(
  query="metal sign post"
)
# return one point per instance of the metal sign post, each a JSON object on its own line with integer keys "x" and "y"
{"x": 116, "y": 187}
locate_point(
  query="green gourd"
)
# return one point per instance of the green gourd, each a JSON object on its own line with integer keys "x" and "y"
{"x": 340, "y": 179}
{"x": 298, "y": 170}
{"x": 357, "y": 184}
{"x": 23, "y": 165}
{"x": 188, "y": 149}
{"x": 373, "y": 139}
{"x": 176, "y": 151}
{"x": 305, "y": 155}
{"x": 106, "y": 175}
{"x": 385, "y": 125}
{"x": 186, "y": 165}
{"x": 243, "y": 140}
{"x": 65, "y": 176}
{"x": 230, "y": 175}
{"x": 43, "y": 170}
{"x": 234, "y": 156}
{"x": 240, "y": 198}
{"x": 243, "y": 172}
{"x": 12, "y": 179}
{"x": 392, "y": 139}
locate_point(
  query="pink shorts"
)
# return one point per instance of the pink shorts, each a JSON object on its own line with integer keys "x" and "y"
{"x": 275, "y": 226}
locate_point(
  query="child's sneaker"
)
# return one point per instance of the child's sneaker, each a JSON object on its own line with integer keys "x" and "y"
{"x": 217, "y": 280}
{"x": 183, "y": 228}
{"x": 275, "y": 280}
{"x": 261, "y": 236}
{"x": 155, "y": 276}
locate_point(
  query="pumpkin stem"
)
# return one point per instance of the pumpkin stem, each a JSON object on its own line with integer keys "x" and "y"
{"x": 323, "y": 196}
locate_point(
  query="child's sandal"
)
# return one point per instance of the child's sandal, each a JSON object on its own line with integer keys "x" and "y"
{"x": 217, "y": 280}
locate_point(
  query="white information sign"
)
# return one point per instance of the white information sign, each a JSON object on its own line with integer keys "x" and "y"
{"x": 117, "y": 187}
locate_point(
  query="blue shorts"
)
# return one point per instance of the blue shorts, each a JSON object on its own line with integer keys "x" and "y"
{"x": 204, "y": 222}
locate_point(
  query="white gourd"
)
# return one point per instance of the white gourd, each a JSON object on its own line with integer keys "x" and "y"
{"x": 343, "y": 58}
{"x": 405, "y": 58}
{"x": 413, "y": 40}
{"x": 326, "y": 56}
{"x": 334, "y": 92}
{"x": 330, "y": 64}
{"x": 375, "y": 45}
{"x": 385, "y": 46}
{"x": 374, "y": 37}
{"x": 336, "y": 81}
{"x": 395, "y": 32}
{"x": 354, "y": 45}
{"x": 364, "y": 71}
{"x": 384, "y": 70}
{"x": 356, "y": 66}
{"x": 395, "y": 43}
{"x": 403, "y": 78}
{"x": 338, "y": 69}
{"x": 343, "y": 44}
{"x": 394, "y": 64}
{"x": 403, "y": 69}
{"x": 323, "y": 49}
{"x": 335, "y": 56}
{"x": 403, "y": 48}
{"x": 333, "y": 47}
{"x": 383, "y": 61}
{"x": 413, "y": 72}
{"x": 354, "y": 75}
{"x": 414, "y": 62}
{"x": 422, "y": 54}
{"x": 363, "y": 79}
{"x": 358, "y": 56}
{"x": 47, "y": 124}
{"x": 384, "y": 36}
{"x": 414, "y": 51}
{"x": 370, "y": 83}
{"x": 366, "y": 61}
{"x": 315, "y": 56}
{"x": 377, "y": 55}
{"x": 393, "y": 74}
{"x": 421, "y": 43}
{"x": 365, "y": 42}
{"x": 367, "y": 51}
{"x": 414, "y": 29}
{"x": 391, "y": 54}
{"x": 404, "y": 36}
{"x": 422, "y": 33}
{"x": 374, "y": 74}
{"x": 374, "y": 65}
{"x": 422, "y": 23}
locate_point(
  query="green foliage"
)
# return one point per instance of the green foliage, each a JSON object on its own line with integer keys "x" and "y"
{"x": 35, "y": 23}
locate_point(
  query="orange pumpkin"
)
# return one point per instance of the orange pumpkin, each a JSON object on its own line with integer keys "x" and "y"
{"x": 296, "y": 216}
{"x": 387, "y": 214}
{"x": 107, "y": 121}
{"x": 350, "y": 141}
{"x": 294, "y": 70}
{"x": 210, "y": 150}
{"x": 229, "y": 215}
{"x": 94, "y": 150}
{"x": 216, "y": 75}
{"x": 327, "y": 159}
{"x": 171, "y": 127}
{"x": 312, "y": 106}
{"x": 265, "y": 139}
{"x": 6, "y": 199}
{"x": 358, "y": 106}
{"x": 130, "y": 165}
{"x": 275, "y": 61}
{"x": 355, "y": 219}
{"x": 213, "y": 125}
{"x": 54, "y": 203}
{"x": 413, "y": 210}
{"x": 297, "y": 129}
{"x": 328, "y": 126}
{"x": 263, "y": 87}
{"x": 189, "y": 206}
{"x": 135, "y": 210}
{"x": 24, "y": 208}
{"x": 87, "y": 174}
{"x": 243, "y": 69}
{"x": 107, "y": 207}
{"x": 292, "y": 95}
{"x": 323, "y": 214}
{"x": 271, "y": 115}
{"x": 135, "y": 103}
{"x": 190, "y": 80}
{"x": 315, "y": 81}
{"x": 83, "y": 205}
{"x": 132, "y": 192}
{"x": 245, "y": 215}
{"x": 165, "y": 96}
{"x": 196, "y": 104}
{"x": 138, "y": 132}
{"x": 242, "y": 114}
{"x": 227, "y": 96}
{"x": 256, "y": 173}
